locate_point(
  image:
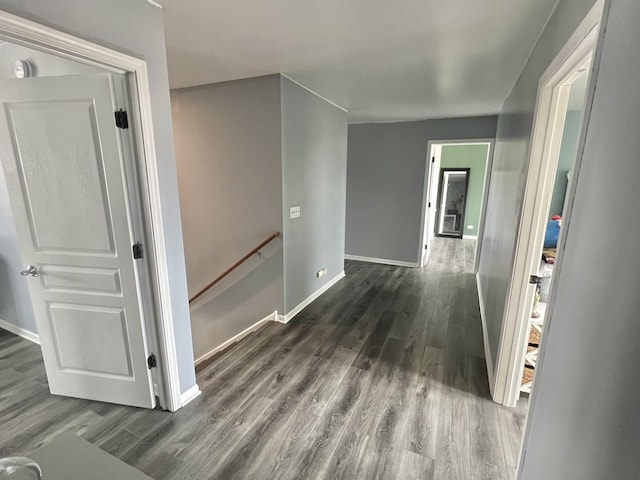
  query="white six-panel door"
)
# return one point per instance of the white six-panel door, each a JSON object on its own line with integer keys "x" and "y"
{"x": 64, "y": 167}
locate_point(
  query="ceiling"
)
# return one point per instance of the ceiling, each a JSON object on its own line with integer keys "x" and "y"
{"x": 378, "y": 59}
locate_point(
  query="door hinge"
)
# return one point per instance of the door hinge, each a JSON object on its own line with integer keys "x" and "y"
{"x": 151, "y": 361}
{"x": 122, "y": 120}
{"x": 429, "y": 204}
{"x": 137, "y": 251}
{"x": 433, "y": 159}
{"x": 533, "y": 279}
{"x": 426, "y": 246}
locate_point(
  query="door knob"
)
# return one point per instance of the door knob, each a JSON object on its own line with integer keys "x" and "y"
{"x": 30, "y": 271}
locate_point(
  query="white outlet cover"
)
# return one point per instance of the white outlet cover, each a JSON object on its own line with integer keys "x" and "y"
{"x": 469, "y": 227}
{"x": 294, "y": 212}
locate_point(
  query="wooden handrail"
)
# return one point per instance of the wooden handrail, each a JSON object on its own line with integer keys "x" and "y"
{"x": 234, "y": 266}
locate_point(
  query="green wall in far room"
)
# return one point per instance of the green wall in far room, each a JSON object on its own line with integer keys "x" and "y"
{"x": 473, "y": 157}
{"x": 568, "y": 152}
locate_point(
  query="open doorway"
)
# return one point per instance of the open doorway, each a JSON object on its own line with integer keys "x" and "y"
{"x": 559, "y": 200}
{"x": 456, "y": 212}
{"x": 72, "y": 209}
{"x": 562, "y": 100}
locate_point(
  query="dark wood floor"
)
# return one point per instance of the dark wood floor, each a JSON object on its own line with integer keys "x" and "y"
{"x": 382, "y": 377}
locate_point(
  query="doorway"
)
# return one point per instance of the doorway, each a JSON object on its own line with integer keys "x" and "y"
{"x": 75, "y": 205}
{"x": 14, "y": 29}
{"x": 545, "y": 219}
{"x": 465, "y": 219}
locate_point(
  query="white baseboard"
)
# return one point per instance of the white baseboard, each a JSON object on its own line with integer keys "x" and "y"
{"x": 189, "y": 395}
{"x": 485, "y": 336}
{"x": 310, "y": 298}
{"x": 272, "y": 317}
{"x": 384, "y": 261}
{"x": 21, "y": 332}
{"x": 470, "y": 237}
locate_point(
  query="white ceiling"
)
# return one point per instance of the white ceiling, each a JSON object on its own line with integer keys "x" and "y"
{"x": 379, "y": 59}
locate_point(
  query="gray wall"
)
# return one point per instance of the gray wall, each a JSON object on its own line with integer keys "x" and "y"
{"x": 314, "y": 156}
{"x": 15, "y": 302}
{"x": 135, "y": 27}
{"x": 228, "y": 150}
{"x": 568, "y": 151}
{"x": 584, "y": 421}
{"x": 510, "y": 163}
{"x": 385, "y": 182}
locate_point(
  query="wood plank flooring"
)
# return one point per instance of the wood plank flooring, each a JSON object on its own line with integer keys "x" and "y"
{"x": 383, "y": 377}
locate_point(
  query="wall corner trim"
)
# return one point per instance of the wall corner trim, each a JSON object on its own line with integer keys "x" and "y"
{"x": 21, "y": 332}
{"x": 315, "y": 93}
{"x": 485, "y": 336}
{"x": 191, "y": 394}
{"x": 384, "y": 261}
{"x": 307, "y": 301}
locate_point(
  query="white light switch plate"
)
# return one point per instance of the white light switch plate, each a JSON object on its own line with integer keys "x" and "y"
{"x": 294, "y": 212}
{"x": 469, "y": 227}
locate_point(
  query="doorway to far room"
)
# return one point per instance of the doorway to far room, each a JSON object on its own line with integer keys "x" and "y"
{"x": 455, "y": 191}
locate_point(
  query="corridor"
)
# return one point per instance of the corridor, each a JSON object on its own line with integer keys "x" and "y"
{"x": 382, "y": 377}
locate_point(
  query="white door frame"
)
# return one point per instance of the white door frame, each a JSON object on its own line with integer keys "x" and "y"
{"x": 33, "y": 35}
{"x": 430, "y": 191}
{"x": 546, "y": 139}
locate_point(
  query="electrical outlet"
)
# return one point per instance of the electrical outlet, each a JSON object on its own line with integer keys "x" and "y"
{"x": 294, "y": 212}
{"x": 321, "y": 273}
{"x": 469, "y": 227}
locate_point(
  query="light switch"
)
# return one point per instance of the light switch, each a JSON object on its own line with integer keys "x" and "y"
{"x": 469, "y": 227}
{"x": 294, "y": 212}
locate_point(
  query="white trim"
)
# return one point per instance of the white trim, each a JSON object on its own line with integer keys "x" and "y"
{"x": 315, "y": 93}
{"x": 429, "y": 194}
{"x": 273, "y": 317}
{"x": 155, "y": 4}
{"x": 21, "y": 332}
{"x": 34, "y": 35}
{"x": 485, "y": 336}
{"x": 430, "y": 189}
{"x": 384, "y": 261}
{"x": 546, "y": 139}
{"x": 310, "y": 298}
{"x": 470, "y": 237}
{"x": 191, "y": 394}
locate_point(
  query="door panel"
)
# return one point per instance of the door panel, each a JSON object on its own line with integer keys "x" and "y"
{"x": 63, "y": 278}
{"x": 65, "y": 173}
{"x": 57, "y": 142}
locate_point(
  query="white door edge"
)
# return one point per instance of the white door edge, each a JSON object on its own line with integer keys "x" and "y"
{"x": 40, "y": 37}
